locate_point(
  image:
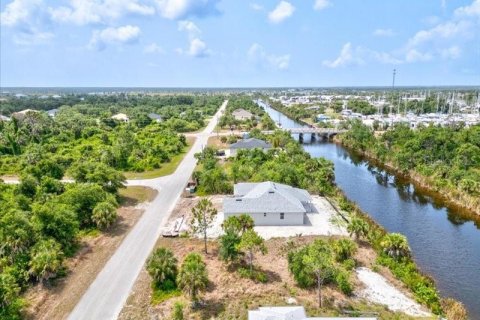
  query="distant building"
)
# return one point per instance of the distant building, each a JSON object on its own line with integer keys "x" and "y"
{"x": 241, "y": 114}
{"x": 52, "y": 113}
{"x": 121, "y": 117}
{"x": 290, "y": 313}
{"x": 269, "y": 203}
{"x": 250, "y": 143}
{"x": 155, "y": 117}
{"x": 322, "y": 118}
{"x": 20, "y": 115}
{"x": 3, "y": 118}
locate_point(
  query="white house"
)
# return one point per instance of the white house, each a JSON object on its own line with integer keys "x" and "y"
{"x": 290, "y": 313}
{"x": 250, "y": 143}
{"x": 120, "y": 117}
{"x": 241, "y": 114}
{"x": 3, "y": 118}
{"x": 155, "y": 117}
{"x": 269, "y": 203}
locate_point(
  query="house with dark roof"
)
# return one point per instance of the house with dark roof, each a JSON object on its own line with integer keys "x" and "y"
{"x": 269, "y": 203}
{"x": 250, "y": 143}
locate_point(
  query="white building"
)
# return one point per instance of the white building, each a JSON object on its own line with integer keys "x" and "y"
{"x": 290, "y": 313}
{"x": 121, "y": 117}
{"x": 241, "y": 114}
{"x": 269, "y": 203}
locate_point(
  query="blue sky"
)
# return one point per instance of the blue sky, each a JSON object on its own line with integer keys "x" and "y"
{"x": 239, "y": 43}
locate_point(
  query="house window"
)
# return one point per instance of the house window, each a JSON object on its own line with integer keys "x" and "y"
{"x": 264, "y": 214}
{"x": 282, "y": 215}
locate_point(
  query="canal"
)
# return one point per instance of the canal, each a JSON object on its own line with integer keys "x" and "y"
{"x": 444, "y": 245}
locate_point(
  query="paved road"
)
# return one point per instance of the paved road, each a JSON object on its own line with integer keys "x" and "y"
{"x": 106, "y": 296}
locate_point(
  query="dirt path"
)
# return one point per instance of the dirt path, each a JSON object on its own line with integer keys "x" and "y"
{"x": 57, "y": 301}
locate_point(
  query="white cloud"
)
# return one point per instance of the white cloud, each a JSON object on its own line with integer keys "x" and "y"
{"x": 321, "y": 4}
{"x": 383, "y": 33}
{"x": 198, "y": 48}
{"x": 447, "y": 30}
{"x": 257, "y": 54}
{"x": 281, "y": 12}
{"x": 19, "y": 11}
{"x": 443, "y": 4}
{"x": 82, "y": 12}
{"x": 154, "y": 49}
{"x": 175, "y": 9}
{"x": 414, "y": 55}
{"x": 472, "y": 10}
{"x": 385, "y": 58}
{"x": 345, "y": 57}
{"x": 453, "y": 52}
{"x": 120, "y": 35}
{"x": 32, "y": 37}
{"x": 256, "y": 6}
{"x": 190, "y": 27}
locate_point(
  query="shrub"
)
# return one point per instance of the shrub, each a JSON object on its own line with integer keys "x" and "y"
{"x": 453, "y": 309}
{"x": 162, "y": 267}
{"x": 255, "y": 275}
{"x": 178, "y": 311}
{"x": 349, "y": 264}
{"x": 342, "y": 280}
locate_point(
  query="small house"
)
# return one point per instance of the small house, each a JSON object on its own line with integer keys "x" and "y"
{"x": 241, "y": 114}
{"x": 120, "y": 117}
{"x": 155, "y": 117}
{"x": 20, "y": 115}
{"x": 248, "y": 144}
{"x": 52, "y": 113}
{"x": 269, "y": 203}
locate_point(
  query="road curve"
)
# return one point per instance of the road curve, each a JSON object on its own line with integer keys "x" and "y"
{"x": 107, "y": 294}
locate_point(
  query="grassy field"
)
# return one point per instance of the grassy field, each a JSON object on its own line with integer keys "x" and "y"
{"x": 166, "y": 169}
{"x": 136, "y": 194}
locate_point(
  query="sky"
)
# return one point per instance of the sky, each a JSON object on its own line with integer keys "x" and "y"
{"x": 239, "y": 43}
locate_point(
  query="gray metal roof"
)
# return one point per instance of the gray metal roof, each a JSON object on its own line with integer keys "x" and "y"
{"x": 250, "y": 143}
{"x": 266, "y": 197}
{"x": 154, "y": 116}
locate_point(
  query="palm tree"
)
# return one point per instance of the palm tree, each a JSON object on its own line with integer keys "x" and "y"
{"x": 162, "y": 266}
{"x": 46, "y": 259}
{"x": 104, "y": 215}
{"x": 246, "y": 222}
{"x": 344, "y": 249}
{"x": 395, "y": 245}
{"x": 357, "y": 228}
{"x": 193, "y": 276}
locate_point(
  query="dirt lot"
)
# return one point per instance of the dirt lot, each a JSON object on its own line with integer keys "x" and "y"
{"x": 57, "y": 300}
{"x": 229, "y": 297}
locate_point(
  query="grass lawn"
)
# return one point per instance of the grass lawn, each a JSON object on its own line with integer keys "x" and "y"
{"x": 166, "y": 169}
{"x": 136, "y": 194}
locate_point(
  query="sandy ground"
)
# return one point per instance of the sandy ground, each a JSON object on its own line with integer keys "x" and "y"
{"x": 324, "y": 222}
{"x": 378, "y": 290}
{"x": 57, "y": 301}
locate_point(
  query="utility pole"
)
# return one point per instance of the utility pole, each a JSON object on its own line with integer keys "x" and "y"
{"x": 393, "y": 81}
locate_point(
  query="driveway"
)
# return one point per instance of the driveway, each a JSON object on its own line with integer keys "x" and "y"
{"x": 106, "y": 296}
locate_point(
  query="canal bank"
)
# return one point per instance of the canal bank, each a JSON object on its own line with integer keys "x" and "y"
{"x": 445, "y": 244}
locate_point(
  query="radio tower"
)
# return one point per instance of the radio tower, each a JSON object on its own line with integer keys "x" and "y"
{"x": 393, "y": 82}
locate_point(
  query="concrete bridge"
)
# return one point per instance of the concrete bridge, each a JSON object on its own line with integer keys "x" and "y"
{"x": 321, "y": 133}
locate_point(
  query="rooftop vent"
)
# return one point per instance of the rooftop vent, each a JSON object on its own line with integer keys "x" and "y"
{"x": 238, "y": 199}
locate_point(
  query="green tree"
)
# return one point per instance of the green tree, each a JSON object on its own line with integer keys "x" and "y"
{"x": 104, "y": 215}
{"x": 203, "y": 215}
{"x": 193, "y": 276}
{"x": 162, "y": 267}
{"x": 56, "y": 220}
{"x": 395, "y": 245}
{"x": 15, "y": 233}
{"x": 251, "y": 242}
{"x": 9, "y": 289}
{"x": 46, "y": 259}
{"x": 229, "y": 242}
{"x": 319, "y": 261}
{"x": 357, "y": 227}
